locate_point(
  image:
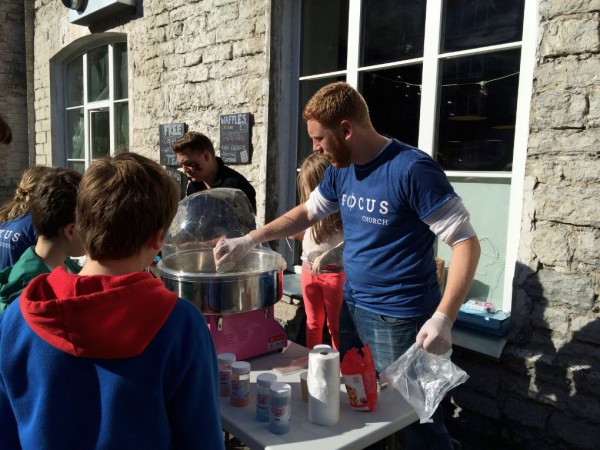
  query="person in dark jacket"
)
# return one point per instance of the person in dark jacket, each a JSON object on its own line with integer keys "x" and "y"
{"x": 195, "y": 154}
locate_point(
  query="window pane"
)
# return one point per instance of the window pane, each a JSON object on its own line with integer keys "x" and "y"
{"x": 100, "y": 132}
{"x": 121, "y": 127}
{"x": 76, "y": 165}
{"x": 75, "y": 82}
{"x": 98, "y": 74}
{"x": 478, "y": 111}
{"x": 392, "y": 30}
{"x": 75, "y": 134}
{"x": 307, "y": 90}
{"x": 121, "y": 84}
{"x": 324, "y": 36}
{"x": 479, "y": 23}
{"x": 487, "y": 201}
{"x": 394, "y": 99}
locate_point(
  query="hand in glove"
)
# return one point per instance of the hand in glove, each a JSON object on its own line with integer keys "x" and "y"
{"x": 228, "y": 252}
{"x": 435, "y": 334}
{"x": 333, "y": 256}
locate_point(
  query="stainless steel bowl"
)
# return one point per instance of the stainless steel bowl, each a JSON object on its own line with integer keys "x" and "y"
{"x": 255, "y": 282}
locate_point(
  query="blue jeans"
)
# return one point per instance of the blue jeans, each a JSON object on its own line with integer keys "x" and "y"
{"x": 388, "y": 338}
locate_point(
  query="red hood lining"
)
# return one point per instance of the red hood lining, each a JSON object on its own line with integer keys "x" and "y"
{"x": 97, "y": 316}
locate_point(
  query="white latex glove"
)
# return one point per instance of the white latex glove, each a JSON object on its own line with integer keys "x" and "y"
{"x": 333, "y": 256}
{"x": 435, "y": 335}
{"x": 227, "y": 252}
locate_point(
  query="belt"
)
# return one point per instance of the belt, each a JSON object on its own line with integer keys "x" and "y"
{"x": 327, "y": 269}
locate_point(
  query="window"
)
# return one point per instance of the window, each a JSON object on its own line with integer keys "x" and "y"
{"x": 96, "y": 104}
{"x": 446, "y": 77}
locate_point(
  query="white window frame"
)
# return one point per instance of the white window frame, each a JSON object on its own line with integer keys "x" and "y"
{"x": 58, "y": 65}
{"x": 429, "y": 104}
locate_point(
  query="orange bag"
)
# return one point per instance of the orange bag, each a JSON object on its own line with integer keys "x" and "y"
{"x": 360, "y": 378}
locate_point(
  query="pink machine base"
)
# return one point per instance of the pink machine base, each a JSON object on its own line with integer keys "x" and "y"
{"x": 247, "y": 334}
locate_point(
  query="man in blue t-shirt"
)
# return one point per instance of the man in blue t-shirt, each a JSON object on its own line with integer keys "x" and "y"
{"x": 394, "y": 201}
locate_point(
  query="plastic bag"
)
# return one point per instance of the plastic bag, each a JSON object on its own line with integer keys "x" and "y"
{"x": 423, "y": 379}
{"x": 360, "y": 378}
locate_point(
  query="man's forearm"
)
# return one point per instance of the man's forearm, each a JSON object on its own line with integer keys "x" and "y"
{"x": 289, "y": 224}
{"x": 461, "y": 270}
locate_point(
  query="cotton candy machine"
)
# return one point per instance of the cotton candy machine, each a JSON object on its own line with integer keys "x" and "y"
{"x": 238, "y": 304}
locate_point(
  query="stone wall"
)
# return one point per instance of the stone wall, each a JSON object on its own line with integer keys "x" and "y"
{"x": 545, "y": 391}
{"x": 13, "y": 95}
{"x": 185, "y": 65}
{"x": 192, "y": 62}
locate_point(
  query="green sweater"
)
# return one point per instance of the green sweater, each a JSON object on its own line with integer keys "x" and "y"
{"x": 13, "y": 279}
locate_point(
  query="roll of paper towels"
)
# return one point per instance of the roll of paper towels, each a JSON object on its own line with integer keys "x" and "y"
{"x": 323, "y": 386}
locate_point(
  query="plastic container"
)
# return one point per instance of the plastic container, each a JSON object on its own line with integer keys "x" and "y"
{"x": 225, "y": 361}
{"x": 263, "y": 391}
{"x": 280, "y": 403}
{"x": 321, "y": 346}
{"x": 240, "y": 383}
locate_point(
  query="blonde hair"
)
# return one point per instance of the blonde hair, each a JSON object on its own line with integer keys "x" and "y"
{"x": 19, "y": 204}
{"x": 336, "y": 102}
{"x": 311, "y": 173}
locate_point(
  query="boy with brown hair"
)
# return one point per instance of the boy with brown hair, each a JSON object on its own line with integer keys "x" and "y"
{"x": 110, "y": 358}
{"x": 52, "y": 209}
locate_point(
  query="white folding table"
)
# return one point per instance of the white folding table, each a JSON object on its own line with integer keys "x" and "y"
{"x": 355, "y": 429}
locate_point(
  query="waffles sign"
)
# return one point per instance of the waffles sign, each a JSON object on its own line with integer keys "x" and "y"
{"x": 235, "y": 138}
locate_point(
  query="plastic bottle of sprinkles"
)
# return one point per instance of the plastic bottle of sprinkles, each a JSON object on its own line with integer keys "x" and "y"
{"x": 240, "y": 383}
{"x": 263, "y": 391}
{"x": 281, "y": 408}
{"x": 225, "y": 360}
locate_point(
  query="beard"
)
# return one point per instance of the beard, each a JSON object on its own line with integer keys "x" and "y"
{"x": 339, "y": 156}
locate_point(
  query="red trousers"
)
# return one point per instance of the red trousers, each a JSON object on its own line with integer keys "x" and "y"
{"x": 322, "y": 295}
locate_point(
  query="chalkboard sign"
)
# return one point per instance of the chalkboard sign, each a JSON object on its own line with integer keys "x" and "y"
{"x": 235, "y": 138}
{"x": 179, "y": 178}
{"x": 169, "y": 133}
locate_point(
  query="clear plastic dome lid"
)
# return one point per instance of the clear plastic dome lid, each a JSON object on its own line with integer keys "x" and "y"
{"x": 205, "y": 217}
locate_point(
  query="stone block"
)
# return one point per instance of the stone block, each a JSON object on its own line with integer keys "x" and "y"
{"x": 576, "y": 432}
{"x": 582, "y": 169}
{"x": 586, "y": 381}
{"x": 549, "y": 9}
{"x": 551, "y": 244}
{"x": 569, "y": 35}
{"x": 576, "y": 205}
{"x": 559, "y": 109}
{"x": 218, "y": 52}
{"x": 527, "y": 413}
{"x": 586, "y": 328}
{"x": 475, "y": 401}
{"x": 593, "y": 116}
{"x": 237, "y": 32}
{"x": 550, "y": 318}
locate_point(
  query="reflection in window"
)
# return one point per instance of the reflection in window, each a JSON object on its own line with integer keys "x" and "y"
{"x": 98, "y": 74}
{"x": 75, "y": 82}
{"x": 100, "y": 141}
{"x": 392, "y": 30}
{"x": 324, "y": 36}
{"x": 121, "y": 85}
{"x": 307, "y": 90}
{"x": 76, "y": 165}
{"x": 394, "y": 100}
{"x": 121, "y": 126}
{"x": 75, "y": 134}
{"x": 478, "y": 111}
{"x": 480, "y": 23}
